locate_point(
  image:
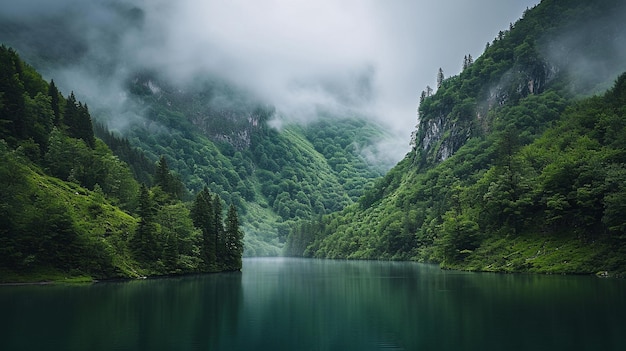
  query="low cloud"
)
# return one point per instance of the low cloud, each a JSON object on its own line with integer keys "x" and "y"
{"x": 592, "y": 63}
{"x": 352, "y": 57}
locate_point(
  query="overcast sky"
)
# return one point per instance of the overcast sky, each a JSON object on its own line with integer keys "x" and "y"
{"x": 372, "y": 56}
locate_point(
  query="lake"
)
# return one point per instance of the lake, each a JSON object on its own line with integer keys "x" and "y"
{"x": 301, "y": 304}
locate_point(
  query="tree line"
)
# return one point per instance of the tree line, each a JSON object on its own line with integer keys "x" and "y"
{"x": 69, "y": 206}
{"x": 517, "y": 174}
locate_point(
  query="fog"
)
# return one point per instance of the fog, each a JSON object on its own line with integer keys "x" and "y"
{"x": 359, "y": 57}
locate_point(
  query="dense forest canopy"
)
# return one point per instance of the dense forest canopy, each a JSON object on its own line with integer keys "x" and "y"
{"x": 69, "y": 207}
{"x": 215, "y": 135}
{"x": 211, "y": 131}
{"x": 514, "y": 167}
{"x": 517, "y": 163}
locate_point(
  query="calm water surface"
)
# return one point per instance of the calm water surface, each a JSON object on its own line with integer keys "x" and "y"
{"x": 297, "y": 304}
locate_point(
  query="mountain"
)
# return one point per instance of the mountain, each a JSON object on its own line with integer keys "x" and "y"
{"x": 518, "y": 161}
{"x": 210, "y": 131}
{"x": 213, "y": 134}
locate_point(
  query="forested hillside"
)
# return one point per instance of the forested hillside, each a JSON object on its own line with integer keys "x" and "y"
{"x": 515, "y": 167}
{"x": 70, "y": 209}
{"x": 517, "y": 162}
{"x": 211, "y": 132}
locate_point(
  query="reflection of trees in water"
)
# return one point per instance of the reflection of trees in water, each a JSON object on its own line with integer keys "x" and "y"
{"x": 194, "y": 312}
{"x": 319, "y": 305}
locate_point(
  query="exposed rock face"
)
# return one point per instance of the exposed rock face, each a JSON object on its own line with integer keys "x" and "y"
{"x": 445, "y": 125}
{"x": 217, "y": 110}
{"x": 439, "y": 138}
{"x": 228, "y": 127}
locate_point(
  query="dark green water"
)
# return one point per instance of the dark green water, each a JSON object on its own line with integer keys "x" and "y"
{"x": 292, "y": 304}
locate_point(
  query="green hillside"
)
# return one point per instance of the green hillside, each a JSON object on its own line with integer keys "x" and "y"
{"x": 215, "y": 135}
{"x": 517, "y": 164}
{"x": 211, "y": 132}
{"x": 71, "y": 210}
{"x": 515, "y": 167}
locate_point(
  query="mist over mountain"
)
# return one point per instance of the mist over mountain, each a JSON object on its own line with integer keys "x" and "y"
{"x": 292, "y": 112}
{"x": 516, "y": 160}
{"x": 360, "y": 57}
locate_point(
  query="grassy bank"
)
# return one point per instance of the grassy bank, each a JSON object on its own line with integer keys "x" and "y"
{"x": 543, "y": 255}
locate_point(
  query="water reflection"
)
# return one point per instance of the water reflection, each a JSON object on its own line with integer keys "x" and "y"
{"x": 189, "y": 313}
{"x": 292, "y": 304}
{"x": 347, "y": 305}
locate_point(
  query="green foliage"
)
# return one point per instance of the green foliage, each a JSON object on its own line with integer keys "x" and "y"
{"x": 506, "y": 175}
{"x": 566, "y": 186}
{"x": 233, "y": 241}
{"x": 168, "y": 182}
{"x": 144, "y": 243}
{"x": 78, "y": 121}
{"x": 143, "y": 169}
{"x": 63, "y": 192}
{"x": 203, "y": 217}
{"x": 213, "y": 135}
{"x": 49, "y": 224}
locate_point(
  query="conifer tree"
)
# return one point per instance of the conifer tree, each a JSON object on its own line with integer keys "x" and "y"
{"x": 440, "y": 78}
{"x": 53, "y": 92}
{"x": 202, "y": 216}
{"x": 85, "y": 126}
{"x": 170, "y": 251}
{"x": 467, "y": 61}
{"x": 71, "y": 112}
{"x": 167, "y": 181}
{"x": 233, "y": 240}
{"x": 162, "y": 175}
{"x": 12, "y": 102}
{"x": 78, "y": 121}
{"x": 143, "y": 243}
{"x": 218, "y": 227}
{"x": 429, "y": 91}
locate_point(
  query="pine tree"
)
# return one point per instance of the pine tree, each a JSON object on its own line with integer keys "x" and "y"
{"x": 167, "y": 181}
{"x": 12, "y": 103}
{"x": 85, "y": 126}
{"x": 162, "y": 175}
{"x": 233, "y": 240}
{"x": 467, "y": 61}
{"x": 53, "y": 92}
{"x": 440, "y": 78}
{"x": 202, "y": 216}
{"x": 143, "y": 243}
{"x": 218, "y": 228}
{"x": 170, "y": 251}
{"x": 71, "y": 113}
{"x": 78, "y": 121}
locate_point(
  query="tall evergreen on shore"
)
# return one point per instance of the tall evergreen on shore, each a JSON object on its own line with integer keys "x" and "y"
{"x": 233, "y": 240}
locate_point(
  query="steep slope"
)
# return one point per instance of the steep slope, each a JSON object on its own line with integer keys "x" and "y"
{"x": 70, "y": 209}
{"x": 53, "y": 229}
{"x": 511, "y": 170}
{"x": 211, "y": 132}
